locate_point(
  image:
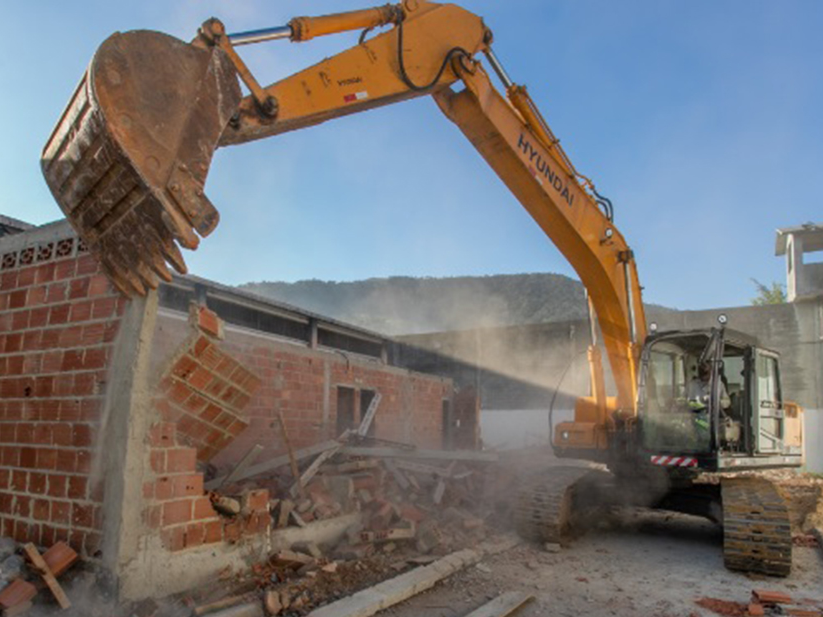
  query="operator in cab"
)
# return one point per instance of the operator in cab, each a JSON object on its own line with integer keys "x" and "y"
{"x": 698, "y": 395}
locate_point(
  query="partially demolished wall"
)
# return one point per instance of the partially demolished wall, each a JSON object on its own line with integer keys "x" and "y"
{"x": 113, "y": 413}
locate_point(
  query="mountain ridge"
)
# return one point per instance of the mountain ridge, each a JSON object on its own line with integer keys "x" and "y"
{"x": 400, "y": 305}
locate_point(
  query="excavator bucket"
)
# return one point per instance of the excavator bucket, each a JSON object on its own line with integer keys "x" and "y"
{"x": 127, "y": 163}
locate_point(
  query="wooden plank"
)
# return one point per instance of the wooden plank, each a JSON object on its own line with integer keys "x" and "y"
{"x": 295, "y": 470}
{"x": 238, "y": 470}
{"x": 312, "y": 469}
{"x": 439, "y": 491}
{"x": 282, "y": 460}
{"x": 503, "y": 605}
{"x": 51, "y": 582}
{"x": 393, "y": 591}
{"x": 421, "y": 468}
{"x": 365, "y": 424}
{"x": 435, "y": 455}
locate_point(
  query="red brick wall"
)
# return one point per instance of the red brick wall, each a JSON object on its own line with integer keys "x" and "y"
{"x": 293, "y": 381}
{"x": 58, "y": 319}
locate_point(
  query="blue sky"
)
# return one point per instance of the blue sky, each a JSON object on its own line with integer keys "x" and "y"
{"x": 700, "y": 120}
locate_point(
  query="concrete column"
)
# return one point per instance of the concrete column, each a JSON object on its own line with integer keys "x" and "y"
{"x": 794, "y": 267}
{"x": 123, "y": 452}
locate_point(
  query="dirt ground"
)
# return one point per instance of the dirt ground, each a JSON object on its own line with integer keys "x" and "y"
{"x": 652, "y": 564}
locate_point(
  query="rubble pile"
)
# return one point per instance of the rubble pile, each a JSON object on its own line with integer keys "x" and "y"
{"x": 407, "y": 510}
{"x": 764, "y": 602}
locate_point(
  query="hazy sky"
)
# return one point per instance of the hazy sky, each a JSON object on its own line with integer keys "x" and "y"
{"x": 700, "y": 120}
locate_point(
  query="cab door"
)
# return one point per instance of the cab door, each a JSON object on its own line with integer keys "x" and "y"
{"x": 768, "y": 414}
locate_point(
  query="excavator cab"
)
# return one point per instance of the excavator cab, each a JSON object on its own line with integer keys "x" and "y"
{"x": 711, "y": 400}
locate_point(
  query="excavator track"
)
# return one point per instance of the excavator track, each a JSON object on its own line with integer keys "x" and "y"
{"x": 544, "y": 509}
{"x": 756, "y": 530}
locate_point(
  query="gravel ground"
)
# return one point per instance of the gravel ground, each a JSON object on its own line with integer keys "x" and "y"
{"x": 651, "y": 563}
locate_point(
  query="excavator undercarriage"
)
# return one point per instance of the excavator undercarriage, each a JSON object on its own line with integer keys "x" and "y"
{"x": 567, "y": 500}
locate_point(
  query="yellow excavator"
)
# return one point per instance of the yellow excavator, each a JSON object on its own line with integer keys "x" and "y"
{"x": 128, "y": 161}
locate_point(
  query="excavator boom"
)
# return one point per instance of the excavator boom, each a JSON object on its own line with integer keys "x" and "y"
{"x": 128, "y": 160}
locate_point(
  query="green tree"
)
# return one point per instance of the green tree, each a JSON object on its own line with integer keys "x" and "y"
{"x": 774, "y": 294}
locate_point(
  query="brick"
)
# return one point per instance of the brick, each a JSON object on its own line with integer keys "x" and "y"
{"x": 176, "y": 512}
{"x": 37, "y": 483}
{"x": 163, "y": 489}
{"x": 28, "y": 457}
{"x": 79, "y": 288}
{"x": 16, "y": 593}
{"x": 157, "y": 458}
{"x": 47, "y": 459}
{"x": 174, "y": 539}
{"x": 41, "y": 510}
{"x": 62, "y": 434}
{"x": 181, "y": 460}
{"x": 56, "y": 292}
{"x": 82, "y": 515}
{"x": 81, "y": 436}
{"x": 26, "y": 277}
{"x": 161, "y": 435}
{"x": 59, "y": 314}
{"x": 207, "y": 321}
{"x": 195, "y": 534}
{"x": 8, "y": 280}
{"x": 61, "y": 512}
{"x": 232, "y": 530}
{"x": 42, "y": 434}
{"x": 57, "y": 485}
{"x": 214, "y": 532}
{"x": 86, "y": 264}
{"x": 255, "y": 500}
{"x": 104, "y": 308}
{"x": 44, "y": 273}
{"x": 766, "y": 596}
{"x": 80, "y": 311}
{"x": 22, "y": 506}
{"x": 203, "y": 509}
{"x": 66, "y": 462}
{"x": 188, "y": 485}
{"x": 99, "y": 285}
{"x": 17, "y": 299}
{"x": 20, "y": 320}
{"x": 84, "y": 461}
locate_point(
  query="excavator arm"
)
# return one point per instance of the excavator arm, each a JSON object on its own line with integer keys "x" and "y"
{"x": 128, "y": 161}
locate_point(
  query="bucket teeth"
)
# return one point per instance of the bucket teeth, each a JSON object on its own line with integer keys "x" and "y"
{"x": 148, "y": 109}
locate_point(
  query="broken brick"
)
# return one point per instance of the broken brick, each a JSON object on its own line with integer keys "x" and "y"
{"x": 59, "y": 558}
{"x": 765, "y": 596}
{"x": 16, "y": 593}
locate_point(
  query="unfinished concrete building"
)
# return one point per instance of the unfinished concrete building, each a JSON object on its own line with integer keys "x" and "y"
{"x": 110, "y": 409}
